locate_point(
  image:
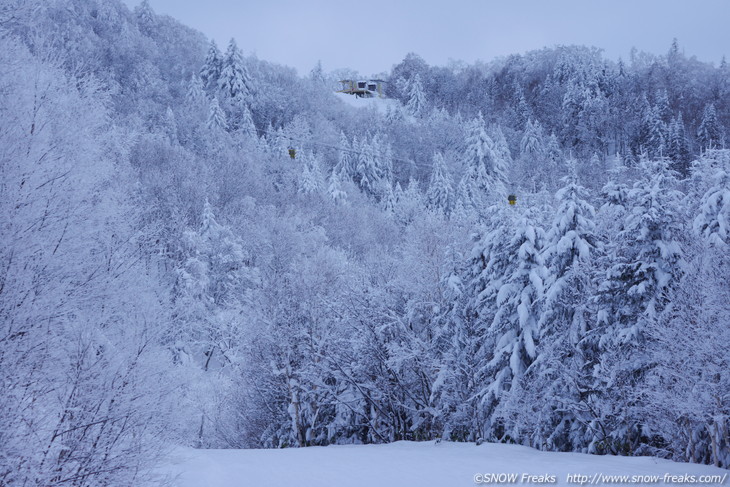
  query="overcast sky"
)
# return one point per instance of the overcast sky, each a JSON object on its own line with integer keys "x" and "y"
{"x": 370, "y": 36}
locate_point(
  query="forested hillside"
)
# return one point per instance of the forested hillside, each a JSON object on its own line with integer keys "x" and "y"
{"x": 169, "y": 274}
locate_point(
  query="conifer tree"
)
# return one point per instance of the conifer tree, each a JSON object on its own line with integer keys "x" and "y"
{"x": 548, "y": 403}
{"x": 245, "y": 124}
{"x": 416, "y": 105}
{"x": 440, "y": 189}
{"x": 709, "y": 130}
{"x": 678, "y": 147}
{"x": 532, "y": 144}
{"x": 485, "y": 173}
{"x": 311, "y": 177}
{"x": 514, "y": 271}
{"x": 335, "y": 191}
{"x": 216, "y": 116}
{"x": 211, "y": 70}
{"x": 345, "y": 166}
{"x": 645, "y": 264}
{"x": 234, "y": 81}
{"x": 195, "y": 93}
{"x": 145, "y": 16}
{"x": 713, "y": 222}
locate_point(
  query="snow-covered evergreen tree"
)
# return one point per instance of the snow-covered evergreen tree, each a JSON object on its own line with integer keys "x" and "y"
{"x": 713, "y": 222}
{"x": 416, "y": 104}
{"x": 311, "y": 180}
{"x": 514, "y": 331}
{"x": 440, "y": 188}
{"x": 708, "y": 132}
{"x": 216, "y": 116}
{"x": 195, "y": 93}
{"x": 335, "y": 191}
{"x": 547, "y": 405}
{"x": 678, "y": 146}
{"x": 246, "y": 125}
{"x": 345, "y": 158}
{"x": 532, "y": 144}
{"x": 645, "y": 265}
{"x": 485, "y": 173}
{"x": 211, "y": 70}
{"x": 234, "y": 80}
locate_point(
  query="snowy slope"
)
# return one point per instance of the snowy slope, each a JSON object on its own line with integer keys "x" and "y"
{"x": 419, "y": 464}
{"x": 379, "y": 104}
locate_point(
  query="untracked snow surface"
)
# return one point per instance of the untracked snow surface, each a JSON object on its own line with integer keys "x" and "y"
{"x": 425, "y": 465}
{"x": 380, "y": 104}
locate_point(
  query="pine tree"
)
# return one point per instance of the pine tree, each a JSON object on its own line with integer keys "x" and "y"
{"x": 532, "y": 156}
{"x": 416, "y": 105}
{"x": 145, "y": 16}
{"x": 246, "y": 125}
{"x": 211, "y": 70}
{"x": 485, "y": 173}
{"x": 713, "y": 222}
{"x": 311, "y": 177}
{"x": 170, "y": 125}
{"x": 345, "y": 160}
{"x": 547, "y": 404}
{"x": 514, "y": 271}
{"x": 532, "y": 144}
{"x": 195, "y": 93}
{"x": 567, "y": 254}
{"x": 709, "y": 130}
{"x": 234, "y": 81}
{"x": 553, "y": 156}
{"x": 664, "y": 111}
{"x": 335, "y": 188}
{"x": 440, "y": 189}
{"x": 678, "y": 147}
{"x": 501, "y": 147}
{"x": 216, "y": 116}
{"x": 645, "y": 265}
{"x": 657, "y": 141}
{"x": 473, "y": 293}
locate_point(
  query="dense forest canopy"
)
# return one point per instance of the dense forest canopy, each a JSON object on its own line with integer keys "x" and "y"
{"x": 170, "y": 274}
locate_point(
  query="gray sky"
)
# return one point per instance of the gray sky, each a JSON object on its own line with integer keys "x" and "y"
{"x": 370, "y": 36}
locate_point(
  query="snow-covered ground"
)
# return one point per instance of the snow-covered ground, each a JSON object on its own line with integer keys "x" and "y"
{"x": 379, "y": 104}
{"x": 425, "y": 465}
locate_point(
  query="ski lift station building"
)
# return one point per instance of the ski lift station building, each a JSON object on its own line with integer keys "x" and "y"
{"x": 363, "y": 88}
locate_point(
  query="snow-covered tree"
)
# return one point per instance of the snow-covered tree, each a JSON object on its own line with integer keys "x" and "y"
{"x": 416, "y": 104}
{"x": 646, "y": 263}
{"x": 234, "y": 80}
{"x": 335, "y": 191}
{"x": 713, "y": 222}
{"x": 211, "y": 70}
{"x": 708, "y": 132}
{"x": 678, "y": 146}
{"x": 547, "y": 404}
{"x": 440, "y": 189}
{"x": 246, "y": 125}
{"x": 216, "y": 116}
{"x": 311, "y": 180}
{"x": 345, "y": 158}
{"x": 195, "y": 93}
{"x": 485, "y": 173}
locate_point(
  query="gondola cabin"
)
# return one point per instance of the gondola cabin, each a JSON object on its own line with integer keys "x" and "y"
{"x": 368, "y": 88}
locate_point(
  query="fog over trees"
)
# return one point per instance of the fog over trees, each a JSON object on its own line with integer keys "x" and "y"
{"x": 201, "y": 248}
